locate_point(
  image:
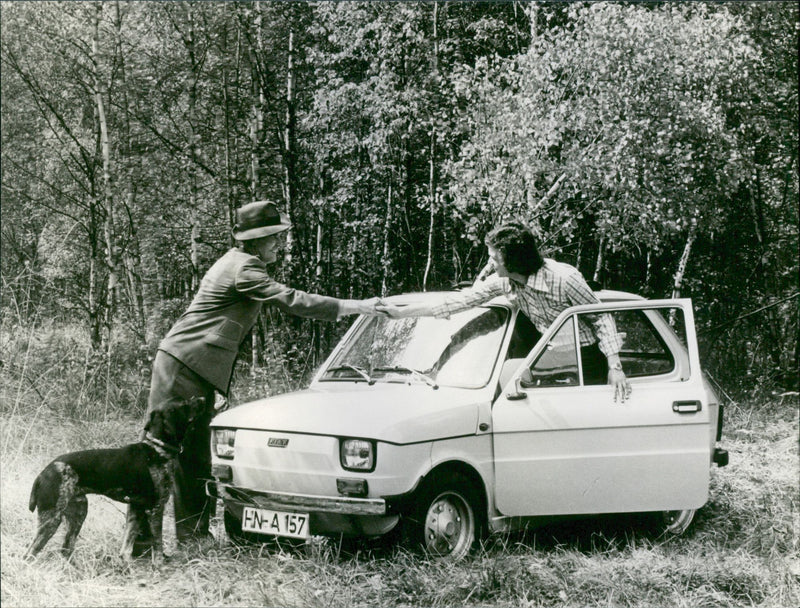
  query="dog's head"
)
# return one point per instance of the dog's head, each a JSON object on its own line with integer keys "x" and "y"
{"x": 171, "y": 423}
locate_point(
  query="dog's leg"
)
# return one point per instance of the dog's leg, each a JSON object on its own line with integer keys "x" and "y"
{"x": 49, "y": 520}
{"x": 162, "y": 480}
{"x": 156, "y": 518}
{"x": 134, "y": 524}
{"x": 75, "y": 515}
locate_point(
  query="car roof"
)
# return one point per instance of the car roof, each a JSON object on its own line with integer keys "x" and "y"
{"x": 604, "y": 295}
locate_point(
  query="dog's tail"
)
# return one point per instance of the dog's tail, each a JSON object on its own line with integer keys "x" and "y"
{"x": 44, "y": 493}
{"x": 47, "y": 486}
{"x": 34, "y": 495}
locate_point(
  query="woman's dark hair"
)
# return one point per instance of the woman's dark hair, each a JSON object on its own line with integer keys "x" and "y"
{"x": 517, "y": 245}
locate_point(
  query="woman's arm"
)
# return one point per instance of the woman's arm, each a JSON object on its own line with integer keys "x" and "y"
{"x": 419, "y": 309}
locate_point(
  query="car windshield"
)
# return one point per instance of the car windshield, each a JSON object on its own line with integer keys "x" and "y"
{"x": 460, "y": 351}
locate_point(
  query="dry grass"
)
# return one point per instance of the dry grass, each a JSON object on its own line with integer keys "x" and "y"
{"x": 742, "y": 550}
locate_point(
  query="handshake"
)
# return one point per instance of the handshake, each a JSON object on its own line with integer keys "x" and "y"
{"x": 392, "y": 307}
{"x": 384, "y": 307}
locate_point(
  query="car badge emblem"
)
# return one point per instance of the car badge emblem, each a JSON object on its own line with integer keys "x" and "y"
{"x": 274, "y": 442}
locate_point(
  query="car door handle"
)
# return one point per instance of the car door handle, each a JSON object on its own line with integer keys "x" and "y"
{"x": 686, "y": 407}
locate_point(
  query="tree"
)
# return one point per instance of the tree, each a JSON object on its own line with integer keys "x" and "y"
{"x": 652, "y": 144}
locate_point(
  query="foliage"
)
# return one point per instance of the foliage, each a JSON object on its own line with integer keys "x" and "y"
{"x": 653, "y": 145}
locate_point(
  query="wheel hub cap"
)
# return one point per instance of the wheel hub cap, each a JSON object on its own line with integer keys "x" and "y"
{"x": 444, "y": 529}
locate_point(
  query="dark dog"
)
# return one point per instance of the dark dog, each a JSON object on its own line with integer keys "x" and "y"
{"x": 139, "y": 473}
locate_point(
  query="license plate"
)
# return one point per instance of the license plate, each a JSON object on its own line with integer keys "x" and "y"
{"x": 278, "y": 523}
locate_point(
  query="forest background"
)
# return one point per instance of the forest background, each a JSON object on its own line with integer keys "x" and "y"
{"x": 652, "y": 145}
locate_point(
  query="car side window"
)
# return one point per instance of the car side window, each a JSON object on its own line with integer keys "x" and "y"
{"x": 644, "y": 352}
{"x": 650, "y": 341}
{"x": 557, "y": 365}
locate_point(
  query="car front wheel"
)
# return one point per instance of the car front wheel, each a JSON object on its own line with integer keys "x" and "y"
{"x": 676, "y": 523}
{"x": 444, "y": 522}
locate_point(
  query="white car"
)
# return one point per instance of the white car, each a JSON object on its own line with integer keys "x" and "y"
{"x": 453, "y": 428}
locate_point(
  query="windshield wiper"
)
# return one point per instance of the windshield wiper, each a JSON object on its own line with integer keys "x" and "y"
{"x": 415, "y": 372}
{"x": 361, "y": 372}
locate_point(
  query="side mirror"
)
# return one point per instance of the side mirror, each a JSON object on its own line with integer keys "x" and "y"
{"x": 518, "y": 394}
{"x": 519, "y": 382}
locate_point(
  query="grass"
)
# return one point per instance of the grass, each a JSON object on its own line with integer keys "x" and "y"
{"x": 742, "y": 549}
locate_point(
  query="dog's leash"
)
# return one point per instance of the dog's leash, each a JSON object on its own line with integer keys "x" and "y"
{"x": 164, "y": 450}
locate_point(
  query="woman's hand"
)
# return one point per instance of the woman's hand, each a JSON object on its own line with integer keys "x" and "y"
{"x": 370, "y": 307}
{"x": 622, "y": 388}
{"x": 391, "y": 310}
{"x": 395, "y": 311}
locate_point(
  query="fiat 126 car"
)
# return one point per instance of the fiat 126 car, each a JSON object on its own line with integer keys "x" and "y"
{"x": 449, "y": 429}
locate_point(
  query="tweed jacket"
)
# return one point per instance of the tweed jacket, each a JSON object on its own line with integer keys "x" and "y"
{"x": 206, "y": 338}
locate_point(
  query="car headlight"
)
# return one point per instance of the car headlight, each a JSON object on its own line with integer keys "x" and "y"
{"x": 222, "y": 442}
{"x": 357, "y": 454}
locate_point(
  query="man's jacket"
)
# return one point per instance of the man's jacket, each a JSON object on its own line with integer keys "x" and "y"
{"x": 207, "y": 336}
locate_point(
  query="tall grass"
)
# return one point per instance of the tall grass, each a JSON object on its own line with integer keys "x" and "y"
{"x": 51, "y": 367}
{"x": 741, "y": 551}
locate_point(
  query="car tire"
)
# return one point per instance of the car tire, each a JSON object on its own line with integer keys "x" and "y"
{"x": 675, "y": 523}
{"x": 446, "y": 520}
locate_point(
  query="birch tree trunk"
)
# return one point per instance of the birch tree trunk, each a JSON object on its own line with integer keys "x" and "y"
{"x": 131, "y": 256}
{"x": 228, "y": 168}
{"x": 385, "y": 259}
{"x": 290, "y": 178}
{"x": 679, "y": 273}
{"x": 95, "y": 335}
{"x": 190, "y": 42}
{"x": 432, "y": 168}
{"x": 533, "y": 15}
{"x": 318, "y": 273}
{"x": 431, "y": 225}
{"x": 106, "y": 193}
{"x": 257, "y": 120}
{"x": 256, "y": 129}
{"x": 598, "y": 267}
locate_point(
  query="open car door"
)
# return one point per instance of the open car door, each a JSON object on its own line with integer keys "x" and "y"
{"x": 564, "y": 447}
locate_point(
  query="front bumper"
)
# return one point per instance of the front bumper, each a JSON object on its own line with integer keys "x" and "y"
{"x": 329, "y": 515}
{"x": 299, "y": 502}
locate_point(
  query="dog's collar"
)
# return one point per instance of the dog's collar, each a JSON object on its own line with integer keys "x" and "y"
{"x": 162, "y": 448}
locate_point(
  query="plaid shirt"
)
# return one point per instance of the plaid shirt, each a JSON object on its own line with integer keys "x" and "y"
{"x": 553, "y": 288}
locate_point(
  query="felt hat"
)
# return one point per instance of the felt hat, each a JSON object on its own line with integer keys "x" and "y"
{"x": 258, "y": 219}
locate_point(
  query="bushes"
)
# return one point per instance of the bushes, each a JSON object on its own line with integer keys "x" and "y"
{"x": 52, "y": 366}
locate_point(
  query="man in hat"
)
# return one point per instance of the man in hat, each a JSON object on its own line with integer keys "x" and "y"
{"x": 196, "y": 358}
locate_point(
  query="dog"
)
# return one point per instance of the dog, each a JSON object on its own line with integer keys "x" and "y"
{"x": 140, "y": 474}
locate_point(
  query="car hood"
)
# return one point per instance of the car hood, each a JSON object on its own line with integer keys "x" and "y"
{"x": 391, "y": 412}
